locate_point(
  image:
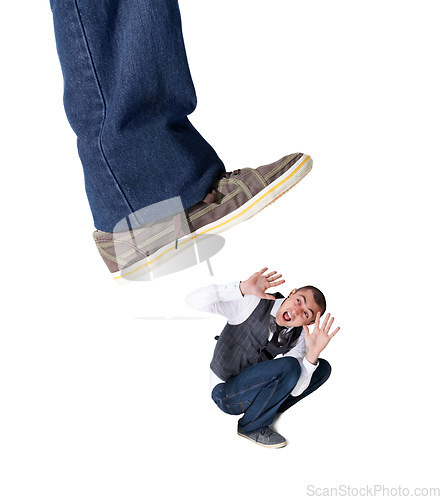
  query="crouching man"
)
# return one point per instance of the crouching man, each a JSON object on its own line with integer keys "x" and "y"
{"x": 266, "y": 358}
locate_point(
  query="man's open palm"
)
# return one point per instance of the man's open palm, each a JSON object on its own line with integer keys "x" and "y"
{"x": 320, "y": 336}
{"x": 259, "y": 282}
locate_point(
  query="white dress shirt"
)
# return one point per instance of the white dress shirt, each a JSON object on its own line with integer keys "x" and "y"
{"x": 227, "y": 300}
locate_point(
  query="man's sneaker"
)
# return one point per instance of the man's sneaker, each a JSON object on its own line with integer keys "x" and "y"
{"x": 234, "y": 197}
{"x": 265, "y": 437}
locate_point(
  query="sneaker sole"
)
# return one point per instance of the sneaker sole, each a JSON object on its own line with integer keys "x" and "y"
{"x": 267, "y": 196}
{"x": 280, "y": 445}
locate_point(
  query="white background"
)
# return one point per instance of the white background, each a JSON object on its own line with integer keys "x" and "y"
{"x": 104, "y": 388}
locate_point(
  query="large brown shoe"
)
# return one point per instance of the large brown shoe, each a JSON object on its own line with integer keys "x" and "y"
{"x": 235, "y": 197}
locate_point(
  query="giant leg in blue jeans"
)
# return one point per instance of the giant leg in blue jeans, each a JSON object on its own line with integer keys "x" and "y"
{"x": 263, "y": 390}
{"x": 127, "y": 94}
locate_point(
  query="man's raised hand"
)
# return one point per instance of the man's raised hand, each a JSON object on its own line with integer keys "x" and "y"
{"x": 319, "y": 338}
{"x": 259, "y": 282}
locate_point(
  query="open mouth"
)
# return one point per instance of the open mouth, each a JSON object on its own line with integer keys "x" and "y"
{"x": 287, "y": 316}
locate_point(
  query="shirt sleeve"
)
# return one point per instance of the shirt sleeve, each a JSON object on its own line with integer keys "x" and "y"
{"x": 307, "y": 368}
{"x": 226, "y": 300}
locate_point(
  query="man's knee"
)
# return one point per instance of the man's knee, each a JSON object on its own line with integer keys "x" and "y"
{"x": 290, "y": 369}
{"x": 218, "y": 392}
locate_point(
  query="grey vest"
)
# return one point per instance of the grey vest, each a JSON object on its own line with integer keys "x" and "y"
{"x": 244, "y": 345}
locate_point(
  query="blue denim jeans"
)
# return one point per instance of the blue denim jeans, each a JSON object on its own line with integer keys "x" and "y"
{"x": 127, "y": 94}
{"x": 262, "y": 390}
{"x": 319, "y": 377}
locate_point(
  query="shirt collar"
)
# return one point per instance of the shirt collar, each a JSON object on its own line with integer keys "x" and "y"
{"x": 276, "y": 307}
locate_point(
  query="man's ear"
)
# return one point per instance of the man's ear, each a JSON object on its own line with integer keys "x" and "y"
{"x": 292, "y": 292}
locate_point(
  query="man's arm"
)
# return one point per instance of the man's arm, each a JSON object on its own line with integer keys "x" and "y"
{"x": 307, "y": 368}
{"x": 226, "y": 300}
{"x": 308, "y": 349}
{"x": 236, "y": 301}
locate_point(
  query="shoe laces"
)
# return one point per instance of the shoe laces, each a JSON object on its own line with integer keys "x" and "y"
{"x": 234, "y": 173}
{"x": 213, "y": 195}
{"x": 266, "y": 432}
{"x": 210, "y": 197}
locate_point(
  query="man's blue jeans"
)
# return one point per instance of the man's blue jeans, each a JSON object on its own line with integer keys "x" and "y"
{"x": 127, "y": 94}
{"x": 262, "y": 390}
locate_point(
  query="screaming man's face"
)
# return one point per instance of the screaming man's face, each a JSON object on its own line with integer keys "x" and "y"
{"x": 297, "y": 309}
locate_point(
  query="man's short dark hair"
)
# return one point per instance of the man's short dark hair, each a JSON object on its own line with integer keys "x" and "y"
{"x": 319, "y": 298}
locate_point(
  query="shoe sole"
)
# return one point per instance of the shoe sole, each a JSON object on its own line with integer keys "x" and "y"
{"x": 280, "y": 445}
{"x": 267, "y": 196}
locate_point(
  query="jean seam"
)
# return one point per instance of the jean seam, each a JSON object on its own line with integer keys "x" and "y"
{"x": 264, "y": 406}
{"x": 243, "y": 390}
{"x": 95, "y": 73}
{"x": 228, "y": 406}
